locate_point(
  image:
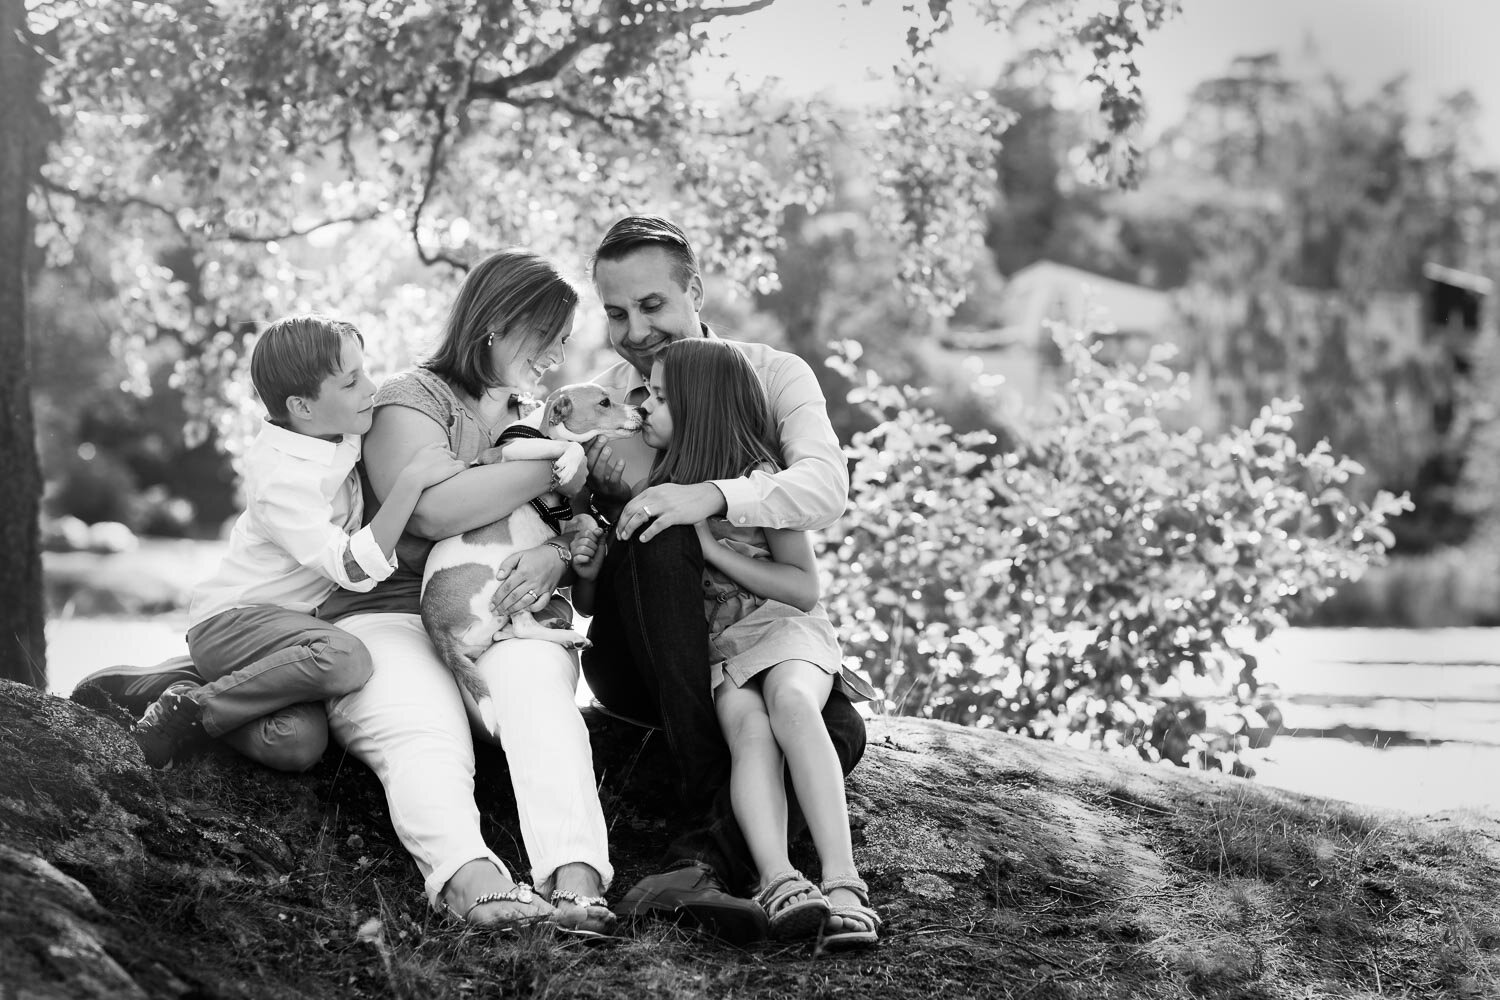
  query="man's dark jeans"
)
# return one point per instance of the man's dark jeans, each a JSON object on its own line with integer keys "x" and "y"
{"x": 649, "y": 661}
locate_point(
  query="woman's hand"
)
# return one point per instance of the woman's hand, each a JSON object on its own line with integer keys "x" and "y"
{"x": 527, "y": 579}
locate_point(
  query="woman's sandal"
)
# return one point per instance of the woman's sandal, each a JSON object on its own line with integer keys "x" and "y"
{"x": 518, "y": 893}
{"x": 865, "y": 935}
{"x": 595, "y": 920}
{"x": 794, "y": 906}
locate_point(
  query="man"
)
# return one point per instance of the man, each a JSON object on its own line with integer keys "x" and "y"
{"x": 649, "y": 659}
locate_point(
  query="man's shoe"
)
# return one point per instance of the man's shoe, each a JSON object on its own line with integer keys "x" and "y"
{"x": 134, "y": 688}
{"x": 170, "y": 722}
{"x": 692, "y": 895}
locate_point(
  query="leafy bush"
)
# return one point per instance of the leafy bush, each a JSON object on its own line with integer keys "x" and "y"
{"x": 94, "y": 486}
{"x": 1095, "y": 586}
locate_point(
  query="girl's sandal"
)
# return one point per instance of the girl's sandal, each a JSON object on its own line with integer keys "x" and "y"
{"x": 863, "y": 936}
{"x": 594, "y": 919}
{"x": 794, "y": 906}
{"x": 518, "y": 893}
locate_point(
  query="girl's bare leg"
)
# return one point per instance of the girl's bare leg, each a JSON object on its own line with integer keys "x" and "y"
{"x": 794, "y": 693}
{"x": 755, "y": 779}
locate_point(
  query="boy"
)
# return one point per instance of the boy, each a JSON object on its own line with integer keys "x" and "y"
{"x": 251, "y": 632}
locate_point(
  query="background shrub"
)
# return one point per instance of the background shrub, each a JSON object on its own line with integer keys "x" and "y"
{"x": 1096, "y": 585}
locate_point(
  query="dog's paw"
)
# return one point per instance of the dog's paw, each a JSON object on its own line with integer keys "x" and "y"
{"x": 567, "y": 467}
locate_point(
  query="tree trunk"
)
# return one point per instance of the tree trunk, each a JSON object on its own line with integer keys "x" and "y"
{"x": 22, "y": 639}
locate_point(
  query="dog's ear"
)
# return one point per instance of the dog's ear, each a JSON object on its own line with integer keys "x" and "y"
{"x": 559, "y": 409}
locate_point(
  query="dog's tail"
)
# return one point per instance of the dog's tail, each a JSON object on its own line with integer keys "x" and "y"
{"x": 452, "y": 649}
{"x": 452, "y": 652}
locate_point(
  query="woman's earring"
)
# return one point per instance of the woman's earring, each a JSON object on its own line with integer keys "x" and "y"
{"x": 490, "y": 340}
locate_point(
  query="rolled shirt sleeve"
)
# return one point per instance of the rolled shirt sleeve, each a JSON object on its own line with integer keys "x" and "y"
{"x": 813, "y": 490}
{"x": 297, "y": 517}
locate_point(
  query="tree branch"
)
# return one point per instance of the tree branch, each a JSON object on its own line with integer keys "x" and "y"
{"x": 234, "y": 235}
{"x": 124, "y": 201}
{"x": 499, "y": 89}
{"x": 242, "y": 236}
{"x": 737, "y": 10}
{"x": 434, "y": 165}
{"x": 607, "y": 120}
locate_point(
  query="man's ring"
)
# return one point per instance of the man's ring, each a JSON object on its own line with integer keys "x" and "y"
{"x": 645, "y": 510}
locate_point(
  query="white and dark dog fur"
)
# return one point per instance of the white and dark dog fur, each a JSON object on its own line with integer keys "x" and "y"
{"x": 459, "y": 584}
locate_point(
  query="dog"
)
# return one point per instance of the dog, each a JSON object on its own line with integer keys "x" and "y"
{"x": 459, "y": 584}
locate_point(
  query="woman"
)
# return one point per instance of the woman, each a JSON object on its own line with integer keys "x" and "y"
{"x": 409, "y": 723}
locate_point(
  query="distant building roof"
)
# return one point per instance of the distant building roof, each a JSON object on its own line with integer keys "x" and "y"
{"x": 1047, "y": 291}
{"x": 1458, "y": 279}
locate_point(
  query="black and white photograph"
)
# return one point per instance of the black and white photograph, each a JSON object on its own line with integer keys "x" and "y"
{"x": 886, "y": 499}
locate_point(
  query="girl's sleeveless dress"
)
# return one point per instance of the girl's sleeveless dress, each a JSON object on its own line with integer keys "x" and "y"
{"x": 749, "y": 633}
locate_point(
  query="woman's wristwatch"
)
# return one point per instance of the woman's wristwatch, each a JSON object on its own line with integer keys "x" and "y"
{"x": 563, "y": 552}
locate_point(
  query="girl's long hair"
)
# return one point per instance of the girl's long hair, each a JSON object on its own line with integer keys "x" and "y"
{"x": 722, "y": 427}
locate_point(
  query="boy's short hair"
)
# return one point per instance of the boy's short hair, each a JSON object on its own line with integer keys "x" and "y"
{"x": 293, "y": 356}
{"x": 636, "y": 231}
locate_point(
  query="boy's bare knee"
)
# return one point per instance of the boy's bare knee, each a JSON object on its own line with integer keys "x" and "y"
{"x": 346, "y": 663}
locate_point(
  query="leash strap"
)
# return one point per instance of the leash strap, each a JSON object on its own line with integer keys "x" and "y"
{"x": 552, "y": 516}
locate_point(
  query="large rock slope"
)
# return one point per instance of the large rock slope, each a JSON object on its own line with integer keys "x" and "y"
{"x": 1004, "y": 867}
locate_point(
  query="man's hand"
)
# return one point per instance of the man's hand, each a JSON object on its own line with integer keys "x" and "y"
{"x": 606, "y": 471}
{"x": 668, "y": 504}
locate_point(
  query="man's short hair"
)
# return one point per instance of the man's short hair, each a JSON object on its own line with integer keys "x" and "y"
{"x": 636, "y": 231}
{"x": 293, "y": 357}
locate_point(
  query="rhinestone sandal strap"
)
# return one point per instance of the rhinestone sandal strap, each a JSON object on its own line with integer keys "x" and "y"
{"x": 518, "y": 893}
{"x": 577, "y": 899}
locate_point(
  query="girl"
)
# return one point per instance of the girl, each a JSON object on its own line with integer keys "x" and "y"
{"x": 775, "y": 657}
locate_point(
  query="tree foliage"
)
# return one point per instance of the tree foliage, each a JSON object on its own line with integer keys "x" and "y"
{"x": 241, "y": 160}
{"x": 312, "y": 153}
{"x": 1309, "y": 281}
{"x": 1294, "y": 216}
{"x": 1098, "y": 584}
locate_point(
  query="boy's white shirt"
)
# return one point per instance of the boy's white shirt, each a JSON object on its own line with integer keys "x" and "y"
{"x": 299, "y": 536}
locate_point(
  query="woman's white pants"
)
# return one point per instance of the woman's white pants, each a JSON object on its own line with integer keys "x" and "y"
{"x": 411, "y": 726}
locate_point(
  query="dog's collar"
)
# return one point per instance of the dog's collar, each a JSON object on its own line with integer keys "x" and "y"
{"x": 516, "y": 432}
